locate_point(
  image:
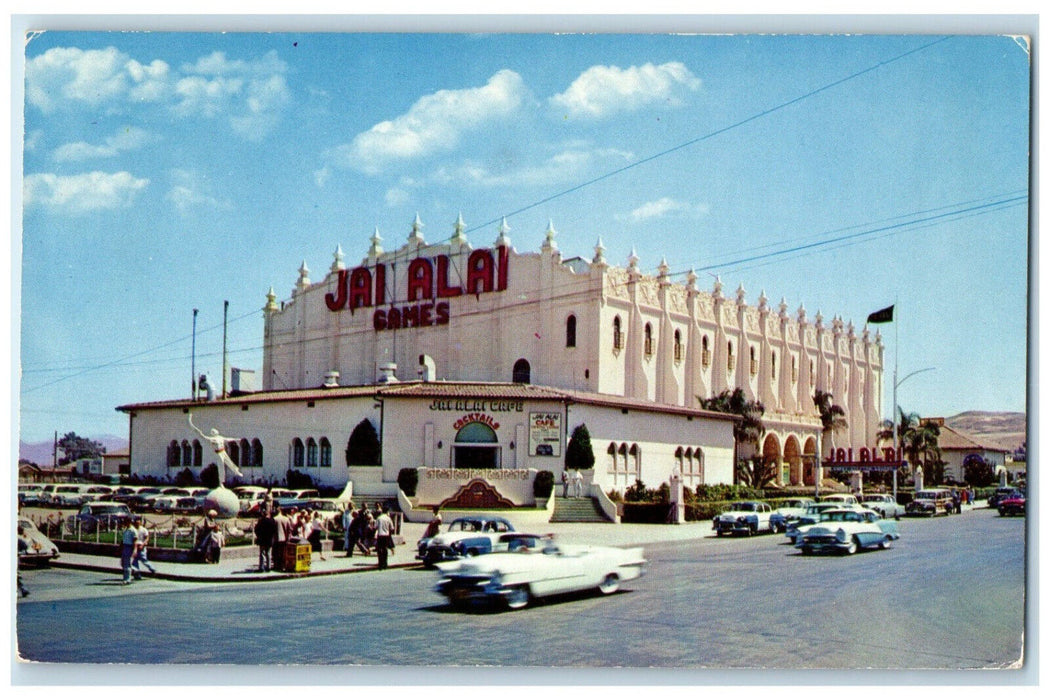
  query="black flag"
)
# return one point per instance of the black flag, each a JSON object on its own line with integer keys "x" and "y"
{"x": 881, "y": 316}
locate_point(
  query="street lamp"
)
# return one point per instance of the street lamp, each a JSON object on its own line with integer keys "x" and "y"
{"x": 893, "y": 418}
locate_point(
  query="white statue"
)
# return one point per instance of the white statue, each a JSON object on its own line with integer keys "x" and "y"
{"x": 218, "y": 443}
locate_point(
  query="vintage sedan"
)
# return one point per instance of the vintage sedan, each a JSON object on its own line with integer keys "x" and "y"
{"x": 789, "y": 511}
{"x": 100, "y": 515}
{"x": 1014, "y": 504}
{"x": 847, "y": 531}
{"x": 466, "y": 537}
{"x": 818, "y": 512}
{"x": 34, "y": 548}
{"x": 746, "y": 518}
{"x": 538, "y": 567}
{"x": 884, "y": 504}
{"x": 931, "y": 502}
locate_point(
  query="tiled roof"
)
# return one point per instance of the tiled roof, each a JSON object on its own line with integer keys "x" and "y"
{"x": 951, "y": 439}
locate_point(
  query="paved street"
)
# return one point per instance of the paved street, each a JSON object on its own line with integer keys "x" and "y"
{"x": 948, "y": 595}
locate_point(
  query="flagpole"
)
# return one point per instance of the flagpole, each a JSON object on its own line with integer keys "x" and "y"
{"x": 893, "y": 412}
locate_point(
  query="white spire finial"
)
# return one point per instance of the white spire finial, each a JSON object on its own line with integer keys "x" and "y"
{"x": 599, "y": 251}
{"x": 504, "y": 229}
{"x": 337, "y": 262}
{"x": 416, "y": 236}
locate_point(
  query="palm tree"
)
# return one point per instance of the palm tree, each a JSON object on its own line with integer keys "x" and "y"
{"x": 746, "y": 432}
{"x": 917, "y": 439}
{"x": 832, "y": 416}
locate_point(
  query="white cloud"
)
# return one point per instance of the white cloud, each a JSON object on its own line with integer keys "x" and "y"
{"x": 190, "y": 191}
{"x": 396, "y": 197}
{"x": 603, "y": 90}
{"x": 250, "y": 94}
{"x": 663, "y": 207}
{"x": 434, "y": 123}
{"x": 83, "y": 193}
{"x": 568, "y": 165}
{"x": 127, "y": 139}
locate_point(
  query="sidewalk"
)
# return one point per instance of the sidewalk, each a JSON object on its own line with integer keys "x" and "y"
{"x": 245, "y": 568}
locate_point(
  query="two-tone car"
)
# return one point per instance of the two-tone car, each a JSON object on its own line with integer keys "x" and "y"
{"x": 1014, "y": 504}
{"x": 467, "y": 536}
{"x": 931, "y": 502}
{"x": 788, "y": 511}
{"x": 34, "y": 548}
{"x": 538, "y": 567}
{"x": 744, "y": 518}
{"x": 884, "y": 504}
{"x": 847, "y": 531}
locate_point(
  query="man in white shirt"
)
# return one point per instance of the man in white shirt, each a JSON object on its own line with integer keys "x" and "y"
{"x": 384, "y": 536}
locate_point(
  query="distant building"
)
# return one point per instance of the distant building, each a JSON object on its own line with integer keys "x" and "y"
{"x": 956, "y": 446}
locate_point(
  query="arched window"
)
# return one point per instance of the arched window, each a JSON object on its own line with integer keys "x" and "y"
{"x": 698, "y": 464}
{"x": 648, "y": 339}
{"x": 233, "y": 449}
{"x": 246, "y": 453}
{"x": 617, "y": 334}
{"x": 174, "y": 454}
{"x": 326, "y": 452}
{"x": 612, "y": 457}
{"x": 794, "y": 369}
{"x": 636, "y": 460}
{"x": 570, "y": 331}
{"x": 730, "y": 359}
{"x": 705, "y": 352}
{"x": 679, "y": 459}
{"x": 311, "y": 452}
{"x": 198, "y": 457}
{"x": 522, "y": 372}
{"x": 257, "y": 453}
{"x": 298, "y": 453}
{"x": 754, "y": 361}
{"x": 773, "y": 365}
{"x": 678, "y": 346}
{"x": 476, "y": 447}
{"x": 187, "y": 453}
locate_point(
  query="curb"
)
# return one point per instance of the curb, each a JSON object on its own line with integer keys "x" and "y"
{"x": 280, "y": 576}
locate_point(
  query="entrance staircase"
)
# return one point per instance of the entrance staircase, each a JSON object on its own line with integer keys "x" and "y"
{"x": 577, "y": 510}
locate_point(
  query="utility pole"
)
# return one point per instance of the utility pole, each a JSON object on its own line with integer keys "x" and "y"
{"x": 193, "y": 361}
{"x": 225, "y": 309}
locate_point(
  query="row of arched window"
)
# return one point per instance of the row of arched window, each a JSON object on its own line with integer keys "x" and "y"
{"x": 624, "y": 459}
{"x": 690, "y": 463}
{"x": 311, "y": 453}
{"x": 243, "y": 453}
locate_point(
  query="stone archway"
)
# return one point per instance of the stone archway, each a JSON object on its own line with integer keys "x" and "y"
{"x": 793, "y": 458}
{"x": 771, "y": 456}
{"x": 809, "y": 462}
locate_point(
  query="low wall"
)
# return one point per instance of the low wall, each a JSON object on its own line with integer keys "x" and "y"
{"x": 436, "y": 485}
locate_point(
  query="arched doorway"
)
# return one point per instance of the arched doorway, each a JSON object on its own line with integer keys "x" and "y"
{"x": 476, "y": 448}
{"x": 809, "y": 462}
{"x": 793, "y": 457}
{"x": 771, "y": 458}
{"x": 522, "y": 372}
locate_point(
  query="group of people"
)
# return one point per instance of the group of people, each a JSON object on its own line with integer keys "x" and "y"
{"x": 133, "y": 550}
{"x": 572, "y": 484}
{"x": 368, "y": 530}
{"x": 276, "y": 527}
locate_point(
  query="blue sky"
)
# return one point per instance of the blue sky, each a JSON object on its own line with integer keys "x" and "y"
{"x": 165, "y": 172}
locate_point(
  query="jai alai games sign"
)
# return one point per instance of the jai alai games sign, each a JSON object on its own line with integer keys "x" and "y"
{"x": 428, "y": 282}
{"x": 866, "y": 459}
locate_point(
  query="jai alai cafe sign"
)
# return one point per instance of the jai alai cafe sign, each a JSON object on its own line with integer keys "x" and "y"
{"x": 866, "y": 459}
{"x": 427, "y": 283}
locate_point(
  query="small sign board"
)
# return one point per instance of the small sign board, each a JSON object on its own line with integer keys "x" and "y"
{"x": 544, "y": 434}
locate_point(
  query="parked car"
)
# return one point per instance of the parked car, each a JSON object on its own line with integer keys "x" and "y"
{"x": 884, "y": 504}
{"x": 96, "y": 493}
{"x": 124, "y": 494}
{"x": 466, "y": 537}
{"x": 141, "y": 499}
{"x": 931, "y": 502}
{"x": 1000, "y": 493}
{"x": 250, "y": 497}
{"x": 99, "y": 515}
{"x": 817, "y": 513}
{"x": 744, "y": 517}
{"x": 840, "y": 498}
{"x": 39, "y": 550}
{"x": 29, "y": 494}
{"x": 66, "y": 495}
{"x": 179, "y": 501}
{"x": 47, "y": 494}
{"x": 788, "y": 512}
{"x": 847, "y": 531}
{"x": 518, "y": 577}
{"x": 1014, "y": 504}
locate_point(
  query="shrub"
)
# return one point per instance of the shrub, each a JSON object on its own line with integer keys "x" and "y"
{"x": 637, "y": 493}
{"x": 408, "y": 480}
{"x": 210, "y": 476}
{"x": 653, "y": 513}
{"x": 578, "y": 453}
{"x": 543, "y": 484}
{"x": 298, "y": 480}
{"x": 186, "y": 477}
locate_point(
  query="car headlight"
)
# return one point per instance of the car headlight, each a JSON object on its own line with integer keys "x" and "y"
{"x": 840, "y": 535}
{"x": 497, "y": 578}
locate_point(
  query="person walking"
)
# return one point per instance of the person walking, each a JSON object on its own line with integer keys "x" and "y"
{"x": 265, "y": 532}
{"x": 577, "y": 484}
{"x": 315, "y": 532}
{"x": 346, "y": 520}
{"x": 141, "y": 557}
{"x": 565, "y": 483}
{"x": 127, "y": 550}
{"x": 384, "y": 536}
{"x": 280, "y": 538}
{"x": 434, "y": 526}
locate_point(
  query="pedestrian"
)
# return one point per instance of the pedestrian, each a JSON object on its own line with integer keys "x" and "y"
{"x": 384, "y": 537}
{"x": 141, "y": 557}
{"x": 434, "y": 526}
{"x": 577, "y": 483}
{"x": 280, "y": 538}
{"x": 127, "y": 550}
{"x": 346, "y": 520}
{"x": 565, "y": 483}
{"x": 265, "y": 532}
{"x": 368, "y": 531}
{"x": 316, "y": 532}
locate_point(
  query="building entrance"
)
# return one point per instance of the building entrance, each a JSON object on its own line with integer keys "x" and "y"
{"x": 476, "y": 448}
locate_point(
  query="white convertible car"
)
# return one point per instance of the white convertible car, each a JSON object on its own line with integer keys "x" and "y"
{"x": 845, "y": 532}
{"x": 530, "y": 567}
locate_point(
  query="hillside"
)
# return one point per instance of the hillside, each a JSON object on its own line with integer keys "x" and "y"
{"x": 1007, "y": 429}
{"x": 40, "y": 453}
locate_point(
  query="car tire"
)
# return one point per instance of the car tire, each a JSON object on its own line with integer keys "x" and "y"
{"x": 807, "y": 551}
{"x": 518, "y": 597}
{"x": 885, "y": 544}
{"x": 610, "y": 584}
{"x": 852, "y": 548}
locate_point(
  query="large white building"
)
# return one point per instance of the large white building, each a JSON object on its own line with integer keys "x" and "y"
{"x": 487, "y": 359}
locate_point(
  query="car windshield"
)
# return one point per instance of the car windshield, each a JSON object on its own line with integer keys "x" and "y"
{"x": 109, "y": 510}
{"x": 464, "y": 525}
{"x": 744, "y": 506}
{"x": 68, "y": 489}
{"x": 843, "y": 516}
